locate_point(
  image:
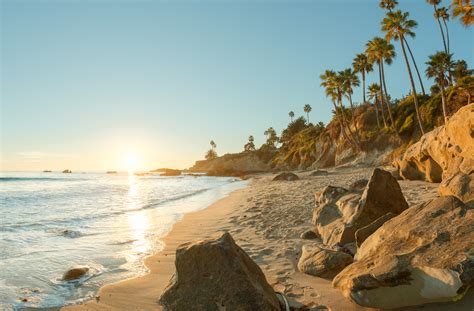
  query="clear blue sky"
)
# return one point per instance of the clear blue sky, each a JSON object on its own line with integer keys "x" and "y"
{"x": 86, "y": 83}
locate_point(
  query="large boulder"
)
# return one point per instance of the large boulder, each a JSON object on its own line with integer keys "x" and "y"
{"x": 341, "y": 213}
{"x": 443, "y": 152}
{"x": 460, "y": 185}
{"x": 216, "y": 274}
{"x": 421, "y": 256}
{"x": 363, "y": 233}
{"x": 286, "y": 176}
{"x": 322, "y": 262}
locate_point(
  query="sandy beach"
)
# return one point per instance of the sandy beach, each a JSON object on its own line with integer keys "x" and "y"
{"x": 266, "y": 220}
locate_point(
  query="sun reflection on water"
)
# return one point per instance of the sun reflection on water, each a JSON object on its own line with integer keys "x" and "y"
{"x": 138, "y": 219}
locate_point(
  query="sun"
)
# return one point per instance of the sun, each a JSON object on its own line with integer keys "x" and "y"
{"x": 131, "y": 163}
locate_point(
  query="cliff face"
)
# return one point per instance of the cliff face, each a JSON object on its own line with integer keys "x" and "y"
{"x": 232, "y": 164}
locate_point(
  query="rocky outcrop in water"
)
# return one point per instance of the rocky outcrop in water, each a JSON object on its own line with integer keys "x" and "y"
{"x": 216, "y": 274}
{"x": 423, "y": 255}
{"x": 75, "y": 273}
{"x": 237, "y": 164}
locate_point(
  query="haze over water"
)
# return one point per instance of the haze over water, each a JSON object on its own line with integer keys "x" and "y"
{"x": 53, "y": 221}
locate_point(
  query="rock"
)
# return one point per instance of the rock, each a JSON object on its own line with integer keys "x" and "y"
{"x": 237, "y": 164}
{"x": 319, "y": 173}
{"x": 75, "y": 273}
{"x": 337, "y": 222}
{"x": 322, "y": 262}
{"x": 288, "y": 176}
{"x": 216, "y": 274}
{"x": 443, "y": 152}
{"x": 460, "y": 185}
{"x": 363, "y": 233}
{"x": 330, "y": 194}
{"x": 359, "y": 184}
{"x": 170, "y": 172}
{"x": 67, "y": 172}
{"x": 423, "y": 255}
{"x": 309, "y": 235}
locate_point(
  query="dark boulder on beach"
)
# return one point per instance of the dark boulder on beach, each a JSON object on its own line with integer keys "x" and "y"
{"x": 287, "y": 176}
{"x": 216, "y": 274}
{"x": 75, "y": 273}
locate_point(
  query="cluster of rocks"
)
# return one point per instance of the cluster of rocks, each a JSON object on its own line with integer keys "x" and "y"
{"x": 383, "y": 254}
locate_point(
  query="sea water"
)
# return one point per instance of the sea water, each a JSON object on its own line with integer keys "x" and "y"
{"x": 50, "y": 222}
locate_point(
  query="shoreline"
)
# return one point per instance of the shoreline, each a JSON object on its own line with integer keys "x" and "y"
{"x": 142, "y": 292}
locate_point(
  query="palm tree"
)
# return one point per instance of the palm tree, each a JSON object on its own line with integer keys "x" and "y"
{"x": 307, "y": 108}
{"x": 397, "y": 25}
{"x": 250, "y": 146}
{"x": 465, "y": 10}
{"x": 435, "y": 4}
{"x": 213, "y": 145}
{"x": 439, "y": 66}
{"x": 389, "y": 5}
{"x": 461, "y": 70}
{"x": 374, "y": 90}
{"x": 272, "y": 137}
{"x": 349, "y": 79}
{"x": 381, "y": 51}
{"x": 291, "y": 114}
{"x": 442, "y": 13}
{"x": 330, "y": 81}
{"x": 362, "y": 65}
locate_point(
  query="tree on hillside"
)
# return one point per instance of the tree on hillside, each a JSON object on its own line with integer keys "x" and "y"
{"x": 439, "y": 66}
{"x": 442, "y": 13}
{"x": 211, "y": 153}
{"x": 464, "y": 10}
{"x": 381, "y": 51}
{"x": 349, "y": 79}
{"x": 250, "y": 146}
{"x": 272, "y": 138}
{"x": 435, "y": 4}
{"x": 213, "y": 144}
{"x": 307, "y": 108}
{"x": 292, "y": 115}
{"x": 389, "y": 5}
{"x": 292, "y": 129}
{"x": 362, "y": 65}
{"x": 333, "y": 89}
{"x": 374, "y": 90}
{"x": 397, "y": 25}
{"x": 461, "y": 70}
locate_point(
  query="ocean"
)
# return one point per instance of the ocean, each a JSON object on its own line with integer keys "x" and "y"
{"x": 108, "y": 222}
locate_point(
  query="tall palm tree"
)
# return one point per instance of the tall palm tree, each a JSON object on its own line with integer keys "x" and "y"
{"x": 330, "y": 81}
{"x": 374, "y": 90}
{"x": 397, "y": 25}
{"x": 439, "y": 66}
{"x": 307, "y": 108}
{"x": 213, "y": 145}
{"x": 442, "y": 13}
{"x": 291, "y": 114}
{"x": 380, "y": 50}
{"x": 362, "y": 65}
{"x": 389, "y": 5}
{"x": 435, "y": 4}
{"x": 464, "y": 10}
{"x": 350, "y": 79}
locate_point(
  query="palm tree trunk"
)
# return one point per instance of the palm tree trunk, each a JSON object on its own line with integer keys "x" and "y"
{"x": 387, "y": 102}
{"x": 447, "y": 39}
{"x": 344, "y": 121}
{"x": 441, "y": 29}
{"x": 307, "y": 116}
{"x": 363, "y": 84}
{"x": 381, "y": 97}
{"x": 443, "y": 102}
{"x": 341, "y": 123}
{"x": 415, "y": 99}
{"x": 376, "y": 112}
{"x": 353, "y": 118}
{"x": 416, "y": 67}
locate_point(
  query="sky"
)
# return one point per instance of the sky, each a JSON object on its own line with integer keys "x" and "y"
{"x": 102, "y": 85}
